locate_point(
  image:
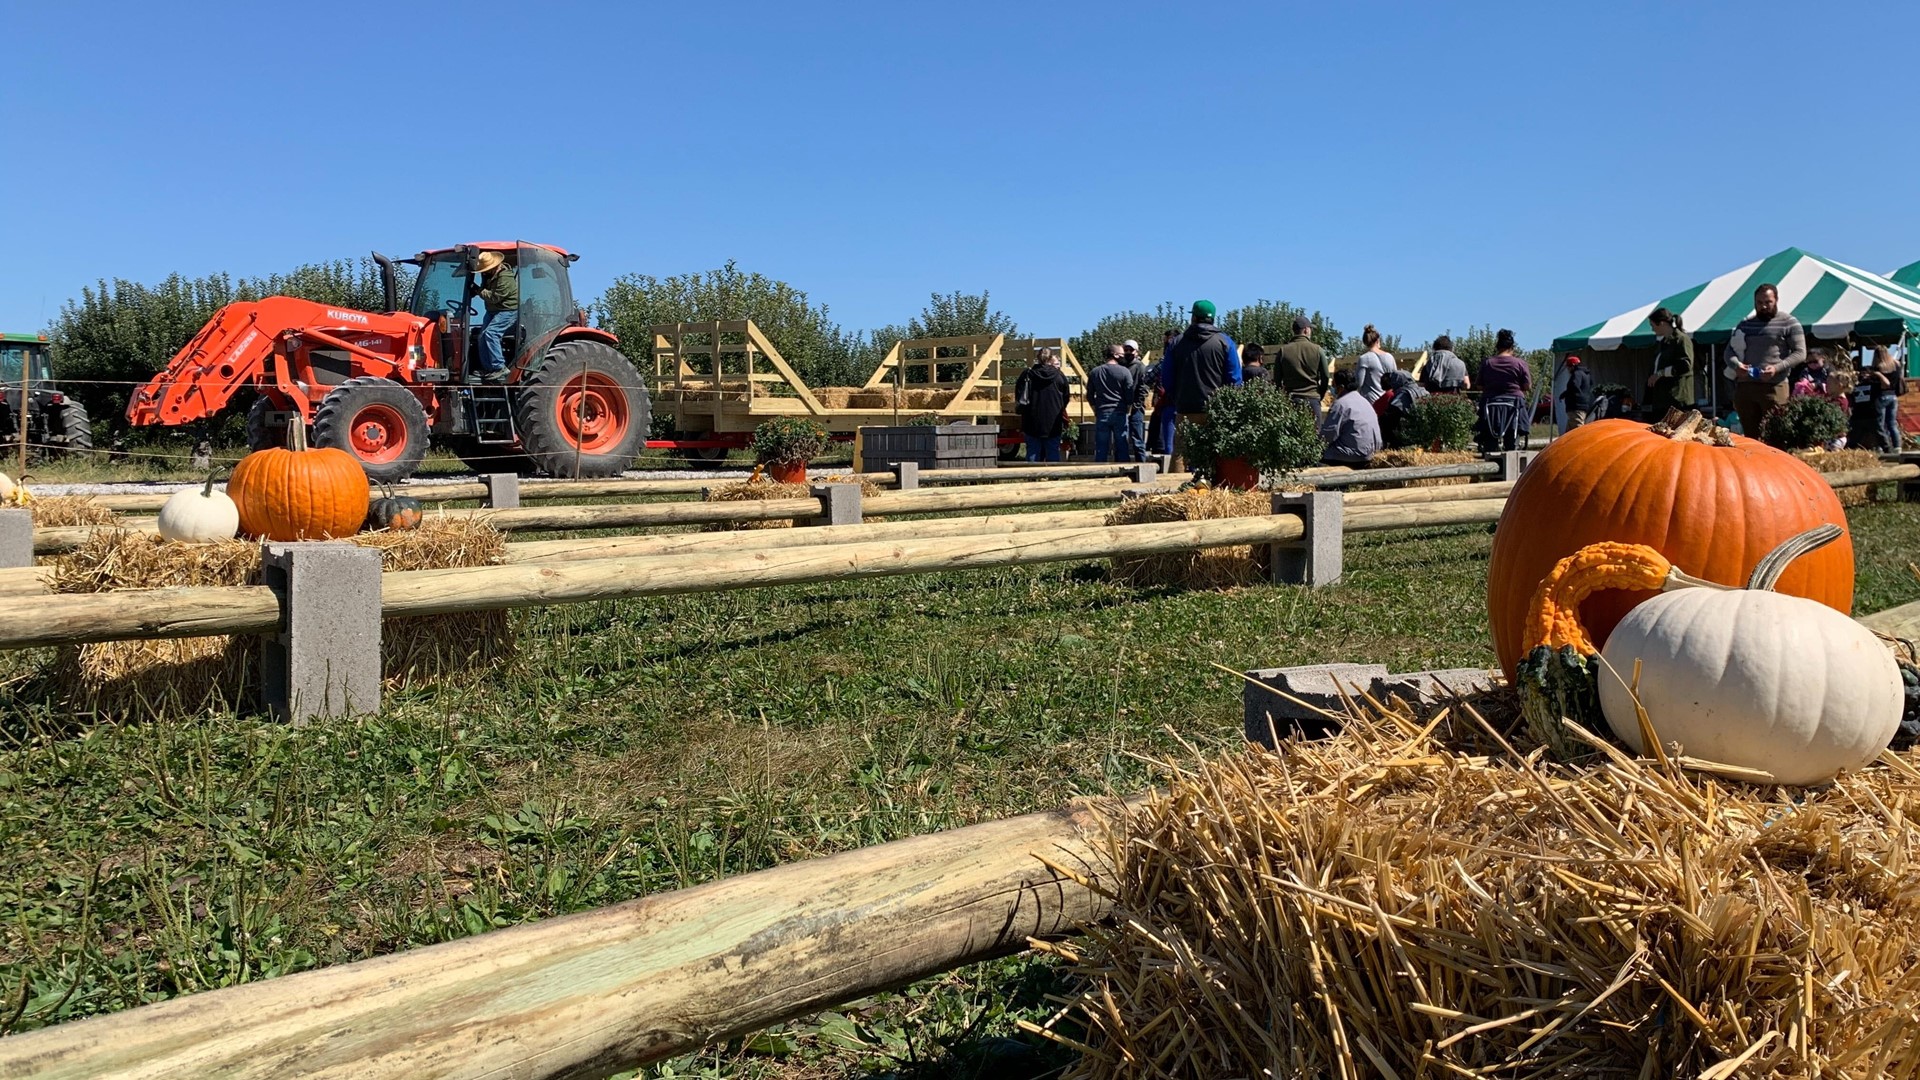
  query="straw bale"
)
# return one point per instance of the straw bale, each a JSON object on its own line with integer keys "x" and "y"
{"x": 1406, "y": 459}
{"x": 872, "y": 397}
{"x": 758, "y": 487}
{"x": 1425, "y": 896}
{"x": 1827, "y": 461}
{"x": 836, "y": 397}
{"x": 188, "y": 675}
{"x": 1207, "y": 568}
{"x": 66, "y": 511}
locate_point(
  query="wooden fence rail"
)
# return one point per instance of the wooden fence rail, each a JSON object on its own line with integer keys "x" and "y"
{"x": 611, "y": 989}
{"x": 189, "y": 611}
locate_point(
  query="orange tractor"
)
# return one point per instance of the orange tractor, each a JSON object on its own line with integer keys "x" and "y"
{"x": 380, "y": 386}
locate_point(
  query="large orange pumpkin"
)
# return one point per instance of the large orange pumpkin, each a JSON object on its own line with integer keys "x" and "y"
{"x": 1712, "y": 510}
{"x": 297, "y": 493}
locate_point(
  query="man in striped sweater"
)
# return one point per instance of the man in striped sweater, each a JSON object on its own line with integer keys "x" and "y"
{"x": 1765, "y": 349}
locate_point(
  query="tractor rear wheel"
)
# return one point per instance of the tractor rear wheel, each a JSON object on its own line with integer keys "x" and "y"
{"x": 75, "y": 427}
{"x": 583, "y": 412}
{"x": 379, "y": 422}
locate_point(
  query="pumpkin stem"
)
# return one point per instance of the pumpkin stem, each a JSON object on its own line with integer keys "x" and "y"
{"x": 1692, "y": 426}
{"x": 1768, "y": 570}
{"x": 206, "y": 490}
{"x": 297, "y": 436}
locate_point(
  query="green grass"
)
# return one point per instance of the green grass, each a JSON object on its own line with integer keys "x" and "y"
{"x": 640, "y": 746}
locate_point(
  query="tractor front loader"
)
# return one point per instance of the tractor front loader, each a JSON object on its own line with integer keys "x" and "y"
{"x": 382, "y": 386}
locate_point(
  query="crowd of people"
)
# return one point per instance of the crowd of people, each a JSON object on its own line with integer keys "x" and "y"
{"x": 1137, "y": 406}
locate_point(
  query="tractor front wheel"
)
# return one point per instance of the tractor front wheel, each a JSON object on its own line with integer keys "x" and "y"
{"x": 583, "y": 412}
{"x": 379, "y": 422}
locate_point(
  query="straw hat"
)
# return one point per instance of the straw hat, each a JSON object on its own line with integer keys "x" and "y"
{"x": 487, "y": 261}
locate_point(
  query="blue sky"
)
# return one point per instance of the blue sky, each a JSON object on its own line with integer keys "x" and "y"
{"x": 1418, "y": 166}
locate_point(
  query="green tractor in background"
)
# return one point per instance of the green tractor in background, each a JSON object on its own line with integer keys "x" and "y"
{"x": 54, "y": 423}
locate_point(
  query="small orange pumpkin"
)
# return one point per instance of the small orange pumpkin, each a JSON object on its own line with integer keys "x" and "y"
{"x": 297, "y": 493}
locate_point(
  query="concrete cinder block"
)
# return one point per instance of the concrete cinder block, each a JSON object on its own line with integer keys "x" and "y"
{"x": 1315, "y": 559}
{"x": 325, "y": 659}
{"x": 1164, "y": 462}
{"x": 16, "y": 538}
{"x": 839, "y": 504}
{"x": 503, "y": 490}
{"x": 1423, "y": 688}
{"x": 906, "y": 475}
{"x": 1292, "y": 702}
{"x": 1143, "y": 473}
{"x": 1513, "y": 462}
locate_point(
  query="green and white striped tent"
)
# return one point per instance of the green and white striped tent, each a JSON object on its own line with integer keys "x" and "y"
{"x": 1830, "y": 299}
{"x": 1908, "y": 275}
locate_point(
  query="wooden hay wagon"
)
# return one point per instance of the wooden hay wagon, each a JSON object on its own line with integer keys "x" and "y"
{"x": 719, "y": 380}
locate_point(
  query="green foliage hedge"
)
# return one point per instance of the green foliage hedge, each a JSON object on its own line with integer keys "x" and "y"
{"x": 1803, "y": 423}
{"x": 1257, "y": 424}
{"x": 1441, "y": 422}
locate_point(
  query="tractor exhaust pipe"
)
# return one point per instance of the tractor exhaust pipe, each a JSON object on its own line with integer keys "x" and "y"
{"x": 389, "y": 282}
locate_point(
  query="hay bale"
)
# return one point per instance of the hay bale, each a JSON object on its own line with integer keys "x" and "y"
{"x": 1399, "y": 900}
{"x": 155, "y": 679}
{"x": 758, "y": 487}
{"x": 835, "y": 397}
{"x": 1406, "y": 459}
{"x": 1208, "y": 568}
{"x": 872, "y": 397}
{"x": 67, "y": 511}
{"x": 1827, "y": 461}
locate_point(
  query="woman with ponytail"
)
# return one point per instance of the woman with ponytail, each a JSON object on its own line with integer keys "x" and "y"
{"x": 1671, "y": 384}
{"x": 1373, "y": 365}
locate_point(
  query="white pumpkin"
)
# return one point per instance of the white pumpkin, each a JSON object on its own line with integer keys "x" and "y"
{"x": 6, "y": 488}
{"x": 1755, "y": 679}
{"x": 199, "y": 515}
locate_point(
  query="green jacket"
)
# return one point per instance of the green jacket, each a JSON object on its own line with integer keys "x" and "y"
{"x": 501, "y": 291}
{"x": 1301, "y": 367}
{"x": 1673, "y": 359}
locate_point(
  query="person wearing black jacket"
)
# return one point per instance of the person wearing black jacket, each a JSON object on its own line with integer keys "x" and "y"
{"x": 1040, "y": 396}
{"x": 1578, "y": 394}
{"x": 1203, "y": 360}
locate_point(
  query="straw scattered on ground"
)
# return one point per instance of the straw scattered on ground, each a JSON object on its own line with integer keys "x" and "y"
{"x": 67, "y": 511}
{"x": 1403, "y": 459}
{"x": 759, "y": 488}
{"x": 186, "y": 675}
{"x": 1208, "y": 568}
{"x": 1829, "y": 461}
{"x": 1417, "y": 897}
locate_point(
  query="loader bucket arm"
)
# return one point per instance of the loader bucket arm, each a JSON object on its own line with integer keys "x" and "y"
{"x": 236, "y": 350}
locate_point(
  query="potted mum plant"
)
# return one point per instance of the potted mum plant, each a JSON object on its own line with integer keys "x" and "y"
{"x": 784, "y": 446}
{"x": 1250, "y": 432}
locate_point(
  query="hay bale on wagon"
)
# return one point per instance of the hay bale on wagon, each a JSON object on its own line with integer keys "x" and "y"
{"x": 835, "y": 397}
{"x": 68, "y": 511}
{"x": 1830, "y": 461}
{"x": 1208, "y": 568}
{"x": 1403, "y": 459}
{"x": 758, "y": 487}
{"x": 136, "y": 679}
{"x": 872, "y": 397}
{"x": 1409, "y": 900}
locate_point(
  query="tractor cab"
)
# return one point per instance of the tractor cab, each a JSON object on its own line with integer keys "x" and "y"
{"x": 23, "y": 358}
{"x": 448, "y": 290}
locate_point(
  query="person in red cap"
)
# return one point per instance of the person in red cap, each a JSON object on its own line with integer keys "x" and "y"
{"x": 1578, "y": 394}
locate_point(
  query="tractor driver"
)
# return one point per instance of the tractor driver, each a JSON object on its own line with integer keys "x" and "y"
{"x": 500, "y": 291}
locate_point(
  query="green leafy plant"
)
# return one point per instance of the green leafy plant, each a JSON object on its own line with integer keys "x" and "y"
{"x": 1441, "y": 422}
{"x": 925, "y": 419}
{"x": 788, "y": 440}
{"x": 1257, "y": 424}
{"x": 1803, "y": 423}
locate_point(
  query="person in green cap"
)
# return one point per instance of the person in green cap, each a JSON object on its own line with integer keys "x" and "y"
{"x": 1202, "y": 361}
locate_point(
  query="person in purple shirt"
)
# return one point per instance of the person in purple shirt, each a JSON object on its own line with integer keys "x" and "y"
{"x": 1506, "y": 385}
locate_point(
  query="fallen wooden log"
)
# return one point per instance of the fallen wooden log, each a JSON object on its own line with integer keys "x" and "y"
{"x": 611, "y": 547}
{"x": 615, "y": 988}
{"x": 1886, "y": 474}
{"x": 1402, "y": 475}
